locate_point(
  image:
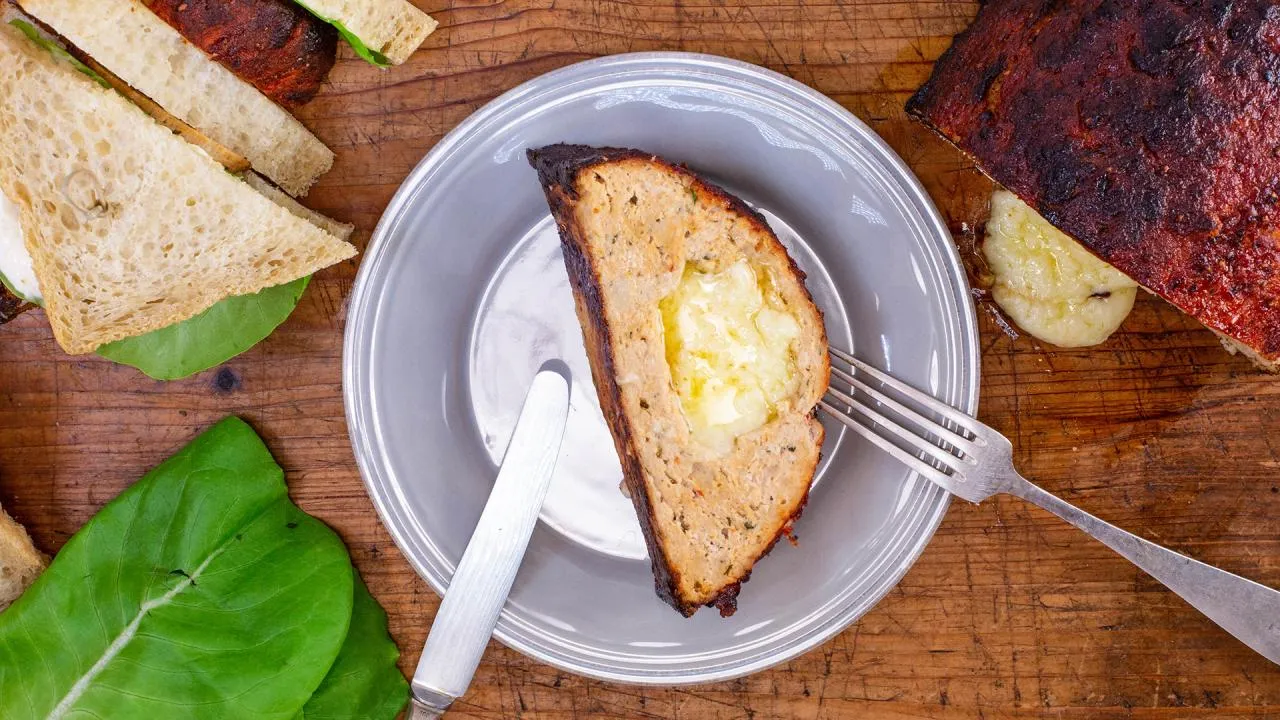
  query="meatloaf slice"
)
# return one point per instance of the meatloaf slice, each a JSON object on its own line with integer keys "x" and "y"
{"x": 634, "y": 229}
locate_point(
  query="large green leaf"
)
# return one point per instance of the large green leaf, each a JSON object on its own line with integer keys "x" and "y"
{"x": 211, "y": 338}
{"x": 369, "y": 54}
{"x": 364, "y": 682}
{"x": 200, "y": 592}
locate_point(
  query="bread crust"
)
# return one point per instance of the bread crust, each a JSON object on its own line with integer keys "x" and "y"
{"x": 559, "y": 168}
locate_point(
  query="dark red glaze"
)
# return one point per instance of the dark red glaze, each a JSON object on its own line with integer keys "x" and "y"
{"x": 1149, "y": 130}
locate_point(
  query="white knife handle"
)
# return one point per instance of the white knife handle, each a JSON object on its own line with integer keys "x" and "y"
{"x": 480, "y": 586}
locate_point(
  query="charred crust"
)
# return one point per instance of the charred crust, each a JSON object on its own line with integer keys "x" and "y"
{"x": 559, "y": 167}
{"x": 1163, "y": 158}
{"x": 558, "y": 173}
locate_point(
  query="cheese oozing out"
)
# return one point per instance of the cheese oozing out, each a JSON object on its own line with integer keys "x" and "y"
{"x": 730, "y": 345}
{"x": 16, "y": 270}
{"x": 1049, "y": 284}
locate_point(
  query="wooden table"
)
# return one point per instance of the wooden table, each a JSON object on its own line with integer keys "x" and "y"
{"x": 1008, "y": 614}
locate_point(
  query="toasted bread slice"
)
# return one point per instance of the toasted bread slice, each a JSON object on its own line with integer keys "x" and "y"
{"x": 392, "y": 28}
{"x": 133, "y": 43}
{"x": 20, "y": 562}
{"x": 633, "y": 228}
{"x": 131, "y": 228}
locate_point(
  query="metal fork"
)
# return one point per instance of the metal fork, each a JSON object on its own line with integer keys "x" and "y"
{"x": 970, "y": 460}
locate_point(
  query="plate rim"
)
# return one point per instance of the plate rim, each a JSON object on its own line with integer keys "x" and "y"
{"x": 357, "y": 400}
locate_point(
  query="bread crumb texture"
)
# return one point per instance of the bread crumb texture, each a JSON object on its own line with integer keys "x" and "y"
{"x": 144, "y": 51}
{"x": 652, "y": 234}
{"x": 131, "y": 228}
{"x": 20, "y": 562}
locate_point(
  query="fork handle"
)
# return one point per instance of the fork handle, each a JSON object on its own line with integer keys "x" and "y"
{"x": 1242, "y": 607}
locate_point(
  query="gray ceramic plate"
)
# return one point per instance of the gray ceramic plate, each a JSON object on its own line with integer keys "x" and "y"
{"x": 462, "y": 296}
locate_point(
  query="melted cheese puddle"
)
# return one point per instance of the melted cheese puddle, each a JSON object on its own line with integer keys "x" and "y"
{"x": 730, "y": 345}
{"x": 1048, "y": 283}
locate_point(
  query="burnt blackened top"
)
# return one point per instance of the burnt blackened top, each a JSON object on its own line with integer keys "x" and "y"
{"x": 1149, "y": 130}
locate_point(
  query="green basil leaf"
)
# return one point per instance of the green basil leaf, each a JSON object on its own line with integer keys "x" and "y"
{"x": 211, "y": 338}
{"x": 364, "y": 682}
{"x": 200, "y": 592}
{"x": 369, "y": 54}
{"x": 57, "y": 50}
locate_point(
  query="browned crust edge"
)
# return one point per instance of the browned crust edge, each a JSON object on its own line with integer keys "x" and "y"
{"x": 558, "y": 167}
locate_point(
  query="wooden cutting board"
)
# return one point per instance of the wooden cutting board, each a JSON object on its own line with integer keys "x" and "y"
{"x": 1008, "y": 614}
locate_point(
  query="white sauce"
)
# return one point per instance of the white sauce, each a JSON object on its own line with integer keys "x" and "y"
{"x": 15, "y": 261}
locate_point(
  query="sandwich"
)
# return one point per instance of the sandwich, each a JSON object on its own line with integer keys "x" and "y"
{"x": 225, "y": 67}
{"x": 133, "y": 232}
{"x": 222, "y": 75}
{"x": 1148, "y": 132}
{"x": 708, "y": 355}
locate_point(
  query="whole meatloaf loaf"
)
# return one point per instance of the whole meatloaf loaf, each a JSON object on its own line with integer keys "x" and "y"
{"x": 1149, "y": 130}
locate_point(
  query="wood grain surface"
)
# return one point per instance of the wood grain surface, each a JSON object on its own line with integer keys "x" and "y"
{"x": 1008, "y": 614}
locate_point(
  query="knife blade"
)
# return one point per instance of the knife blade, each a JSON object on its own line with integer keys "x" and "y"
{"x": 479, "y": 588}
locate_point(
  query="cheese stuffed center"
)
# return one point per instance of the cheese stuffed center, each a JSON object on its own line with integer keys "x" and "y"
{"x": 730, "y": 345}
{"x": 1049, "y": 284}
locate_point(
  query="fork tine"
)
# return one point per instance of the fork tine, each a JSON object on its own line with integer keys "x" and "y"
{"x": 923, "y": 398}
{"x": 929, "y": 472}
{"x": 921, "y": 421}
{"x": 922, "y": 444}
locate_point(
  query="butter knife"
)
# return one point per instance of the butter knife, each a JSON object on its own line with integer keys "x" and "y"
{"x": 480, "y": 586}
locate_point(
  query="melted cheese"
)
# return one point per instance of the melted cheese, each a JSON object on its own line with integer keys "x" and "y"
{"x": 15, "y": 261}
{"x": 1048, "y": 283}
{"x": 730, "y": 345}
